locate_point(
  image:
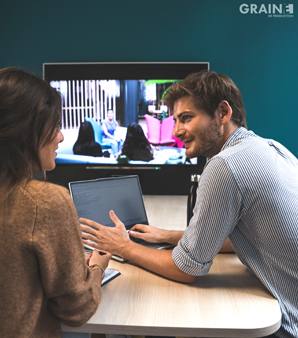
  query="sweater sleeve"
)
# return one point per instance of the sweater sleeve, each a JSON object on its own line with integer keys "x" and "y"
{"x": 69, "y": 286}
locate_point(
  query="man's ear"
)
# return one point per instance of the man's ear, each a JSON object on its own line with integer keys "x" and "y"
{"x": 225, "y": 111}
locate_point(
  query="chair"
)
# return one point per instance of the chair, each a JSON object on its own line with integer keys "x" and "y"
{"x": 161, "y": 133}
{"x": 153, "y": 129}
{"x": 179, "y": 144}
{"x": 166, "y": 132}
{"x": 98, "y": 132}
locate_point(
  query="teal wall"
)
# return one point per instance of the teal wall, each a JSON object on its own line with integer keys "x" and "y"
{"x": 259, "y": 53}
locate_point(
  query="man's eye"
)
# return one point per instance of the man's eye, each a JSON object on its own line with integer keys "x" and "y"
{"x": 186, "y": 117}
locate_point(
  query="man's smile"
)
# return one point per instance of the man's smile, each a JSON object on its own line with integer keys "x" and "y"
{"x": 187, "y": 143}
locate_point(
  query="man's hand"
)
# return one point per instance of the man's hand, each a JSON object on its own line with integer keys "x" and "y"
{"x": 155, "y": 235}
{"x": 148, "y": 233}
{"x": 105, "y": 238}
{"x": 116, "y": 241}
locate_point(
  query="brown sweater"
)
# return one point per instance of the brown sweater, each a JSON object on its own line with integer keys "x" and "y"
{"x": 44, "y": 279}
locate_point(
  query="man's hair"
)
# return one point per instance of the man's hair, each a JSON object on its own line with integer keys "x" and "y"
{"x": 30, "y": 110}
{"x": 208, "y": 89}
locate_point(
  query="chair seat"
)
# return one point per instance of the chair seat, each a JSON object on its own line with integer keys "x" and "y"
{"x": 167, "y": 142}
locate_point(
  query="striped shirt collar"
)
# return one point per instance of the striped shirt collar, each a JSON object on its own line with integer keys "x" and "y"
{"x": 239, "y": 134}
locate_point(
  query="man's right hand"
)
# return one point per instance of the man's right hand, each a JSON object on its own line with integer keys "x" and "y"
{"x": 155, "y": 235}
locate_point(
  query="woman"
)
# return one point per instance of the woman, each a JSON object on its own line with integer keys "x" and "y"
{"x": 136, "y": 146}
{"x": 109, "y": 127}
{"x": 44, "y": 279}
{"x": 85, "y": 144}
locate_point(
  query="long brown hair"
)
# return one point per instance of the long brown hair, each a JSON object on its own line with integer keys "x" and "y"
{"x": 30, "y": 110}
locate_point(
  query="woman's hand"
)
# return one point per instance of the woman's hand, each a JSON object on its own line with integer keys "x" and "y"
{"x": 99, "y": 259}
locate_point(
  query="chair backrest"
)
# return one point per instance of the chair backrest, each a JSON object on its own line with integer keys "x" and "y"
{"x": 96, "y": 128}
{"x": 153, "y": 129}
{"x": 166, "y": 132}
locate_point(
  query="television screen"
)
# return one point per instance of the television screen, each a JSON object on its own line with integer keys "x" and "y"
{"x": 114, "y": 114}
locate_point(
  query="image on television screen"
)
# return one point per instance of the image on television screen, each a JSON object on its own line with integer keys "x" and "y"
{"x": 110, "y": 121}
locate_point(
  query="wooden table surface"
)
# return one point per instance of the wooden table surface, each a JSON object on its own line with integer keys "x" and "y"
{"x": 227, "y": 302}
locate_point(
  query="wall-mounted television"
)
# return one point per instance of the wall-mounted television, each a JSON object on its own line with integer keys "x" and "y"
{"x": 133, "y": 92}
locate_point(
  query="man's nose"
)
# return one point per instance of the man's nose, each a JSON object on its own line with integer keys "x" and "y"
{"x": 177, "y": 130}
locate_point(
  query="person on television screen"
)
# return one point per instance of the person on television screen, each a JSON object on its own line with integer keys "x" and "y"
{"x": 247, "y": 193}
{"x": 110, "y": 133}
{"x": 136, "y": 146}
{"x": 44, "y": 278}
{"x": 85, "y": 144}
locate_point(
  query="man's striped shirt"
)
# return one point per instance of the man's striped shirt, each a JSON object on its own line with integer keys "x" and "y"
{"x": 249, "y": 193}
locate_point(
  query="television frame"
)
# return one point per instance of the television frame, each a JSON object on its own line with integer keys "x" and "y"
{"x": 161, "y": 179}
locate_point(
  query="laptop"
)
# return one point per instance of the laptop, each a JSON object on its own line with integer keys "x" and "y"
{"x": 95, "y": 198}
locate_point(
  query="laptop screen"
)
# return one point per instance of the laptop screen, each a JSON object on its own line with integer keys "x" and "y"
{"x": 95, "y": 198}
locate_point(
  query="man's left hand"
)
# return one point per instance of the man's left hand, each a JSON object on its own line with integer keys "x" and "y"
{"x": 110, "y": 239}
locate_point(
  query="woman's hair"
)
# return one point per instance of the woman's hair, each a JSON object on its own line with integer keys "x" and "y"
{"x": 85, "y": 144}
{"x": 208, "y": 89}
{"x": 86, "y": 133}
{"x": 136, "y": 145}
{"x": 30, "y": 111}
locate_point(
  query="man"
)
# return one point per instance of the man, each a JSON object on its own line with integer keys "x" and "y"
{"x": 248, "y": 192}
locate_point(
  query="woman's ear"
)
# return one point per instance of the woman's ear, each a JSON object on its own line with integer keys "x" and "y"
{"x": 225, "y": 111}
